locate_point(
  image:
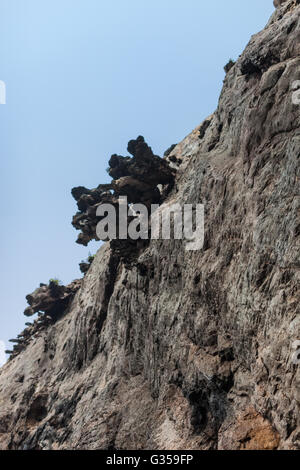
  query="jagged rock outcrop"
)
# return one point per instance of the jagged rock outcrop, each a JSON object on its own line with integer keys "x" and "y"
{"x": 227, "y": 67}
{"x": 50, "y": 301}
{"x": 137, "y": 178}
{"x": 84, "y": 266}
{"x": 205, "y": 339}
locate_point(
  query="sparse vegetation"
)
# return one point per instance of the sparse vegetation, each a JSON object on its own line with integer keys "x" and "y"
{"x": 54, "y": 280}
{"x": 90, "y": 258}
{"x": 85, "y": 264}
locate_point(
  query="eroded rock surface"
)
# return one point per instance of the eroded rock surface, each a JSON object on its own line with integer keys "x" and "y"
{"x": 204, "y": 339}
{"x": 278, "y": 3}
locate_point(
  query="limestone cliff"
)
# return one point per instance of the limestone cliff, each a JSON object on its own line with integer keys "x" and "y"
{"x": 179, "y": 349}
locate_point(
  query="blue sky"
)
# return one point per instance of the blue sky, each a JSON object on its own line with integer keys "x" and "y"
{"x": 83, "y": 77}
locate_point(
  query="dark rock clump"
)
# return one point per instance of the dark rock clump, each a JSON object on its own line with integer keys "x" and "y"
{"x": 137, "y": 177}
{"x": 229, "y": 65}
{"x": 49, "y": 301}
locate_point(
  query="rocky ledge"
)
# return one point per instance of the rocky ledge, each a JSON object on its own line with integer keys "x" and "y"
{"x": 50, "y": 302}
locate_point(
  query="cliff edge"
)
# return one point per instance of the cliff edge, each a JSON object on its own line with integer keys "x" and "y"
{"x": 179, "y": 349}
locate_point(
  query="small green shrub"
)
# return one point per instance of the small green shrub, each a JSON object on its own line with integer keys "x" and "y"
{"x": 54, "y": 281}
{"x": 90, "y": 258}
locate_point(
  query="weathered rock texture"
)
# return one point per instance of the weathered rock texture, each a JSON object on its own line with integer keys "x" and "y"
{"x": 189, "y": 350}
{"x": 278, "y": 3}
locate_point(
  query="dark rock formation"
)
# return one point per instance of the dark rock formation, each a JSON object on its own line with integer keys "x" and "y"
{"x": 229, "y": 65}
{"x": 84, "y": 266}
{"x": 144, "y": 167}
{"x": 169, "y": 150}
{"x": 50, "y": 301}
{"x": 137, "y": 178}
{"x": 187, "y": 350}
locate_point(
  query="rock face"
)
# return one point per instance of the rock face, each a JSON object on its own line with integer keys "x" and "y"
{"x": 278, "y": 3}
{"x": 206, "y": 340}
